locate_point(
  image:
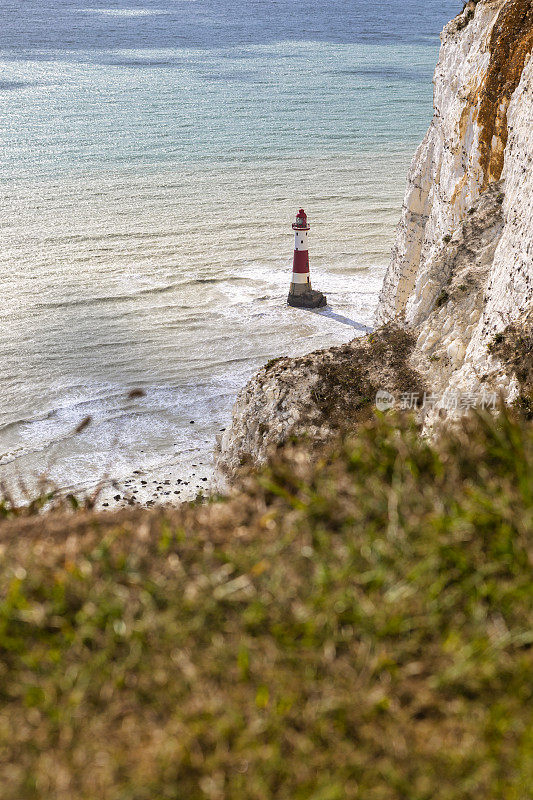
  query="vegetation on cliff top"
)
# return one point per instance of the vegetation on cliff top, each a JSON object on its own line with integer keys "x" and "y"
{"x": 359, "y": 627}
{"x": 350, "y": 376}
{"x": 514, "y": 347}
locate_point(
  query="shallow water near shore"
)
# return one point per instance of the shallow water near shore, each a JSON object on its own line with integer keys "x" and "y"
{"x": 153, "y": 157}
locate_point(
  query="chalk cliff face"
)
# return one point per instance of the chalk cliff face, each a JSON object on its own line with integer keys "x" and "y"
{"x": 462, "y": 265}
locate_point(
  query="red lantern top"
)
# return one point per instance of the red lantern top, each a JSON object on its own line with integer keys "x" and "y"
{"x": 301, "y": 221}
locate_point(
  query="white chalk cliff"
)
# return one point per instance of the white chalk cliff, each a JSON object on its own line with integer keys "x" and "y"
{"x": 462, "y": 265}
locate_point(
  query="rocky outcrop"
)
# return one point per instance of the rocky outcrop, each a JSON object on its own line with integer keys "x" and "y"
{"x": 461, "y": 270}
{"x": 314, "y": 396}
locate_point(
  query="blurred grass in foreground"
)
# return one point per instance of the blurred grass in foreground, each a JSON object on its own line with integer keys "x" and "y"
{"x": 356, "y": 628}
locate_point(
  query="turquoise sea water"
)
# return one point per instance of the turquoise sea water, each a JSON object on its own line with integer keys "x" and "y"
{"x": 153, "y": 155}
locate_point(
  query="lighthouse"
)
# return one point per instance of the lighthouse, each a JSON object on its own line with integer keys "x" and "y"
{"x": 301, "y": 295}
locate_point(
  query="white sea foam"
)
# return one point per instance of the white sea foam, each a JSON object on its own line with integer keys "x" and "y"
{"x": 126, "y": 12}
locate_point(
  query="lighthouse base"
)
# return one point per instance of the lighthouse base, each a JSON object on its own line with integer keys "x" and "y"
{"x": 308, "y": 299}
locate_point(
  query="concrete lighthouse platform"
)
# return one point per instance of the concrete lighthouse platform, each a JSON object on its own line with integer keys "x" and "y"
{"x": 301, "y": 295}
{"x": 308, "y": 299}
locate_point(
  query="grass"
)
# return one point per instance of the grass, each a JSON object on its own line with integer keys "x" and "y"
{"x": 350, "y": 377}
{"x": 357, "y": 627}
{"x": 514, "y": 346}
{"x": 46, "y": 498}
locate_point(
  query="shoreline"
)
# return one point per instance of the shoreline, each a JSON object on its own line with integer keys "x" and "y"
{"x": 146, "y": 489}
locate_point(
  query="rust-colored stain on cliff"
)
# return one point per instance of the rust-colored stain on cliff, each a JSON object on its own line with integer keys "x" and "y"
{"x": 511, "y": 42}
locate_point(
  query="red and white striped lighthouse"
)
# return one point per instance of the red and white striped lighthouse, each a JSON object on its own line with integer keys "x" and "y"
{"x": 300, "y": 262}
{"x": 301, "y": 294}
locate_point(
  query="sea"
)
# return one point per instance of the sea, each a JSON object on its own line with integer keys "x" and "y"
{"x": 153, "y": 156}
